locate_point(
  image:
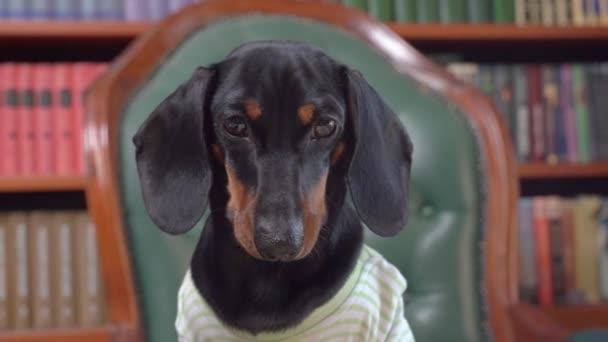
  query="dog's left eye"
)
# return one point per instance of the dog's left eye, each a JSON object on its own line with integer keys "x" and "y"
{"x": 236, "y": 125}
{"x": 323, "y": 128}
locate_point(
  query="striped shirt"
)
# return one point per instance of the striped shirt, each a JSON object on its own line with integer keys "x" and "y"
{"x": 369, "y": 307}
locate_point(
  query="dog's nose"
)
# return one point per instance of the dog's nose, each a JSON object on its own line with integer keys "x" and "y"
{"x": 279, "y": 241}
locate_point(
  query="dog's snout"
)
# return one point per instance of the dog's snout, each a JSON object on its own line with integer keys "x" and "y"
{"x": 278, "y": 239}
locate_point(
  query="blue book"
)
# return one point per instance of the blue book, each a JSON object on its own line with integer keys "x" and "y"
{"x": 16, "y": 9}
{"x": 109, "y": 10}
{"x": 65, "y": 10}
{"x": 40, "y": 9}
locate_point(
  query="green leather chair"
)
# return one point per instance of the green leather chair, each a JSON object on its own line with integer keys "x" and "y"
{"x": 455, "y": 251}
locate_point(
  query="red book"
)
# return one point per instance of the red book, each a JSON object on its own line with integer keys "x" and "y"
{"x": 25, "y": 119}
{"x": 81, "y": 72}
{"x": 542, "y": 235}
{"x": 8, "y": 121}
{"x": 63, "y": 134}
{"x": 43, "y": 119}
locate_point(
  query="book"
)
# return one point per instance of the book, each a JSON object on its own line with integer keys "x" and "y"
{"x": 553, "y": 214}
{"x": 405, "y": 11}
{"x": 16, "y": 9}
{"x": 603, "y": 243}
{"x": 503, "y": 96}
{"x": 567, "y": 225}
{"x": 534, "y": 14}
{"x": 527, "y": 252}
{"x": 452, "y": 11}
{"x": 603, "y": 5}
{"x": 66, "y": 9}
{"x": 381, "y": 9}
{"x": 542, "y": 238}
{"x": 63, "y": 135}
{"x": 88, "y": 9}
{"x": 562, "y": 13}
{"x": 567, "y": 104}
{"x": 537, "y": 115}
{"x": 520, "y": 12}
{"x": 40, "y": 9}
{"x": 4, "y": 276}
{"x": 427, "y": 11}
{"x": 504, "y": 11}
{"x": 361, "y": 5}
{"x": 9, "y": 158}
{"x": 18, "y": 259}
{"x": 43, "y": 124}
{"x": 550, "y": 75}
{"x": 578, "y": 18}
{"x": 25, "y": 120}
{"x": 586, "y": 247}
{"x": 479, "y": 11}
{"x": 89, "y": 292}
{"x": 39, "y": 269}
{"x": 134, "y": 10}
{"x": 597, "y": 102}
{"x": 81, "y": 77}
{"x": 579, "y": 89}
{"x": 63, "y": 270}
{"x": 522, "y": 112}
{"x": 591, "y": 12}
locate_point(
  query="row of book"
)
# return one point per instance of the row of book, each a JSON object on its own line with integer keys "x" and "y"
{"x": 555, "y": 113}
{"x": 90, "y": 10}
{"x": 49, "y": 271}
{"x": 563, "y": 245}
{"x": 521, "y": 12}
{"x": 41, "y": 117}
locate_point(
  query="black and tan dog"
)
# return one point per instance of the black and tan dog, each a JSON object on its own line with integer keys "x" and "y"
{"x": 272, "y": 139}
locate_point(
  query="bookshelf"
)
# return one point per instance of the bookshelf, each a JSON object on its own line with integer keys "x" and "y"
{"x": 109, "y": 38}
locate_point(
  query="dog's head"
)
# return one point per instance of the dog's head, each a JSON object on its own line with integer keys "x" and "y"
{"x": 291, "y": 129}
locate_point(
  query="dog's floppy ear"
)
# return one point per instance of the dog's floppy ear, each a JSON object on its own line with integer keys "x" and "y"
{"x": 171, "y": 155}
{"x": 379, "y": 170}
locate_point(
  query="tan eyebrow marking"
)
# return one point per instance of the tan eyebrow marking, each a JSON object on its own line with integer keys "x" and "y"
{"x": 253, "y": 109}
{"x": 306, "y": 113}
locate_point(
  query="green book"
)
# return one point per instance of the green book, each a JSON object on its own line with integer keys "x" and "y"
{"x": 427, "y": 11}
{"x": 381, "y": 9}
{"x": 452, "y": 11}
{"x": 504, "y": 11}
{"x": 479, "y": 11}
{"x": 405, "y": 11}
{"x": 358, "y": 4}
{"x": 581, "y": 110}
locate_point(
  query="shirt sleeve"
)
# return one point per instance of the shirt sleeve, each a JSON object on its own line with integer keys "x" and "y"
{"x": 400, "y": 330}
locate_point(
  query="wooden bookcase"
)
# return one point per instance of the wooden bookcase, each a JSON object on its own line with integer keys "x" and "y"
{"x": 71, "y": 41}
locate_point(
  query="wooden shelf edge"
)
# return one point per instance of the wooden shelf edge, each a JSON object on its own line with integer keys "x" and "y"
{"x": 498, "y": 32}
{"x": 93, "y": 334}
{"x": 541, "y": 170}
{"x": 42, "y": 184}
{"x": 121, "y": 30}
{"x": 49, "y": 29}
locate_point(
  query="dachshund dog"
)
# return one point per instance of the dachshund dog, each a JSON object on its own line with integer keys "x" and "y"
{"x": 291, "y": 151}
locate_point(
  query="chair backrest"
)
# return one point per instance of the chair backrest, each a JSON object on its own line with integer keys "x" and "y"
{"x": 454, "y": 252}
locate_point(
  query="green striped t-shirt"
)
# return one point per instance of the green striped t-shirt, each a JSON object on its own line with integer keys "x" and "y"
{"x": 369, "y": 307}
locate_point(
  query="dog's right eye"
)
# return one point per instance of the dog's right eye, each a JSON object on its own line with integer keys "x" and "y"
{"x": 236, "y": 125}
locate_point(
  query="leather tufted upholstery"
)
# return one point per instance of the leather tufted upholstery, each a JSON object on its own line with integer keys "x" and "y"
{"x": 437, "y": 253}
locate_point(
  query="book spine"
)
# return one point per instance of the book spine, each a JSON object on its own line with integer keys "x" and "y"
{"x": 40, "y": 275}
{"x": 523, "y": 112}
{"x": 62, "y": 265}
{"x": 4, "y": 274}
{"x": 9, "y": 126}
{"x": 591, "y": 12}
{"x": 503, "y": 96}
{"x": 553, "y": 213}
{"x": 16, "y": 9}
{"x": 567, "y": 224}
{"x": 405, "y": 11}
{"x": 534, "y": 12}
{"x": 580, "y": 105}
{"x": 452, "y": 11}
{"x": 381, "y": 9}
{"x": 479, "y": 11}
{"x": 542, "y": 237}
{"x": 361, "y": 5}
{"x": 25, "y": 118}
{"x": 504, "y": 11}
{"x": 156, "y": 9}
{"x": 547, "y": 12}
{"x": 603, "y": 12}
{"x": 134, "y": 10}
{"x": 561, "y": 144}
{"x": 63, "y": 136}
{"x": 66, "y": 10}
{"x": 89, "y": 290}
{"x": 577, "y": 12}
{"x": 561, "y": 12}
{"x": 550, "y": 102}
{"x": 586, "y": 257}
{"x": 18, "y": 259}
{"x": 88, "y": 9}
{"x": 527, "y": 250}
{"x": 427, "y": 11}
{"x": 535, "y": 104}
{"x": 520, "y": 12}
{"x": 40, "y": 9}
{"x": 80, "y": 80}
{"x": 603, "y": 219}
{"x": 569, "y": 113}
{"x": 43, "y": 120}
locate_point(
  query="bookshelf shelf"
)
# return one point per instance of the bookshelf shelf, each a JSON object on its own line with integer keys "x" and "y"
{"x": 579, "y": 317}
{"x": 101, "y": 334}
{"x": 121, "y": 31}
{"x": 42, "y": 184}
{"x": 41, "y": 30}
{"x": 499, "y": 33}
{"x": 543, "y": 171}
